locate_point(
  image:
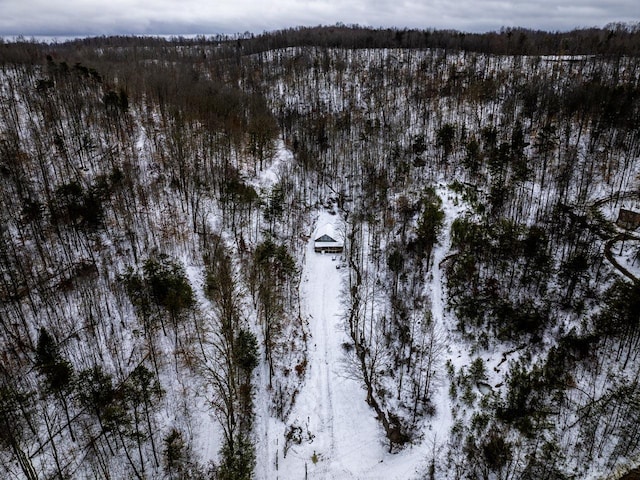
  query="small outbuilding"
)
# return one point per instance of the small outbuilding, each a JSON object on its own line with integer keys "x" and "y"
{"x": 628, "y": 219}
{"x": 328, "y": 240}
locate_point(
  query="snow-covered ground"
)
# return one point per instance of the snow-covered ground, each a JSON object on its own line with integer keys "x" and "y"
{"x": 335, "y": 433}
{"x": 444, "y": 326}
{"x": 627, "y": 254}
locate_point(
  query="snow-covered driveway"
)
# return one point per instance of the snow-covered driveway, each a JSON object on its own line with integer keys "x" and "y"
{"x": 340, "y": 437}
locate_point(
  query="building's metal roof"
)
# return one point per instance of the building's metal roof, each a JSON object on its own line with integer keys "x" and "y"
{"x": 328, "y": 234}
{"x": 326, "y": 239}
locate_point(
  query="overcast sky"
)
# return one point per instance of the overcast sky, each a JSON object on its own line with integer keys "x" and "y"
{"x": 92, "y": 17}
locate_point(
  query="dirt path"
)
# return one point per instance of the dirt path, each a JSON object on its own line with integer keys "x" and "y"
{"x": 616, "y": 197}
{"x": 627, "y": 195}
{"x": 612, "y": 259}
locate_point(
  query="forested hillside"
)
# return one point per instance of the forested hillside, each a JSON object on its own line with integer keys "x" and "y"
{"x": 159, "y": 203}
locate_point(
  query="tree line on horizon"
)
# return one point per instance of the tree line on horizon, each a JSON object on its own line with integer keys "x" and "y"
{"x": 612, "y": 39}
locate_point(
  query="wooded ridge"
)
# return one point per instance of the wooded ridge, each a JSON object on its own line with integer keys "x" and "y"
{"x": 158, "y": 199}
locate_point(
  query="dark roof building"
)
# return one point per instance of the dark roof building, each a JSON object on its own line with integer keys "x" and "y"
{"x": 628, "y": 219}
{"x": 328, "y": 241}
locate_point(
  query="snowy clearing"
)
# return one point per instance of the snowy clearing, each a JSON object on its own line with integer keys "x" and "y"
{"x": 332, "y": 431}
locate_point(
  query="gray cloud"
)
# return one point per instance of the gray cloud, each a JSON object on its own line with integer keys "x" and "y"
{"x": 89, "y": 17}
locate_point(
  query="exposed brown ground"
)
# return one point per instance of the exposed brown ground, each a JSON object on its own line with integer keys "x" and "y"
{"x": 632, "y": 475}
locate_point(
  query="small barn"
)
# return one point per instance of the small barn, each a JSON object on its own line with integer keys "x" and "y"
{"x": 328, "y": 240}
{"x": 628, "y": 219}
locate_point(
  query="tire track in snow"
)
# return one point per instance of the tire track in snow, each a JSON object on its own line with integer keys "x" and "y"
{"x": 323, "y": 361}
